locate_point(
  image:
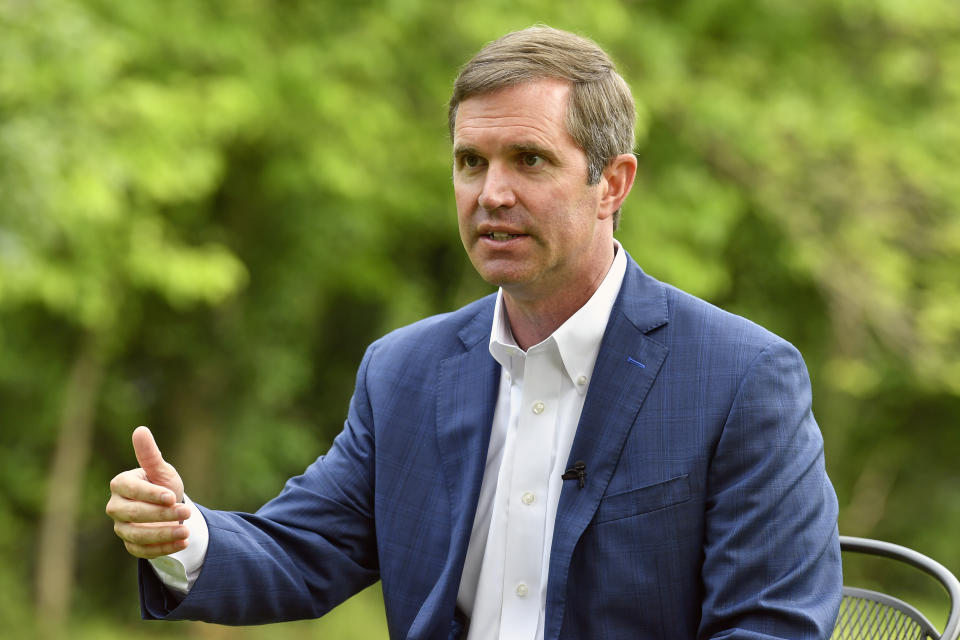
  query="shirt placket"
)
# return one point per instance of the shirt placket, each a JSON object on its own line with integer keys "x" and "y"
{"x": 527, "y": 501}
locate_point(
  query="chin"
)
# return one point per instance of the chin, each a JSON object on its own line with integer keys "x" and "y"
{"x": 495, "y": 274}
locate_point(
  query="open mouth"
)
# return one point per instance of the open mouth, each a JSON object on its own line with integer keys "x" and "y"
{"x": 496, "y": 235}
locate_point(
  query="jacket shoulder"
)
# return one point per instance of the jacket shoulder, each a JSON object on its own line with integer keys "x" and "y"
{"x": 666, "y": 313}
{"x": 682, "y": 321}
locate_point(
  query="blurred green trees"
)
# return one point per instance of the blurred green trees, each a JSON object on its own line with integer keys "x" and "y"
{"x": 207, "y": 210}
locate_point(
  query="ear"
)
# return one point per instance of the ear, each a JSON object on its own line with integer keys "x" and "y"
{"x": 616, "y": 182}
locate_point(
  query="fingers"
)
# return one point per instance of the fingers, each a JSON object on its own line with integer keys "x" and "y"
{"x": 134, "y": 485}
{"x": 146, "y": 517}
{"x": 152, "y": 540}
{"x": 150, "y": 534}
{"x": 145, "y": 503}
{"x": 123, "y": 509}
{"x": 148, "y": 552}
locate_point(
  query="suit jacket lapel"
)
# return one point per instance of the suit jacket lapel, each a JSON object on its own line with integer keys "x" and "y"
{"x": 467, "y": 387}
{"x": 626, "y": 367}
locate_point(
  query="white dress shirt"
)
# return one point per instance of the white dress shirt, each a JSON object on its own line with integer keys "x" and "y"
{"x": 503, "y": 587}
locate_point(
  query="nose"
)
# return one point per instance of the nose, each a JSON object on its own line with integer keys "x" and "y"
{"x": 498, "y": 190}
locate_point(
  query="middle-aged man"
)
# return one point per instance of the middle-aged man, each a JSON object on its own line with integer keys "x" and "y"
{"x": 589, "y": 453}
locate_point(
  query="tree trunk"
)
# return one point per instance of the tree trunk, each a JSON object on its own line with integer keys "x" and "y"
{"x": 56, "y": 551}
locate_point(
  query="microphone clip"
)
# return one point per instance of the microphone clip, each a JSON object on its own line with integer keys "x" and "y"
{"x": 577, "y": 472}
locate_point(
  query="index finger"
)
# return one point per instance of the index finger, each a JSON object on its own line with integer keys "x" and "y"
{"x": 134, "y": 485}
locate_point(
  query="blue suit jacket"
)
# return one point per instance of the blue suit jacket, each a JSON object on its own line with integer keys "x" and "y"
{"x": 706, "y": 510}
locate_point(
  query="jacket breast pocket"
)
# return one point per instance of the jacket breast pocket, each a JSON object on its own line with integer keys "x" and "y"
{"x": 644, "y": 499}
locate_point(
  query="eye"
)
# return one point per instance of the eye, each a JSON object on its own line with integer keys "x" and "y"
{"x": 471, "y": 161}
{"x": 532, "y": 159}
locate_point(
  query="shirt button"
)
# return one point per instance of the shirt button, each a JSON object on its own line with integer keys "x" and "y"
{"x": 538, "y": 407}
{"x": 582, "y": 380}
{"x": 522, "y": 590}
{"x": 527, "y": 498}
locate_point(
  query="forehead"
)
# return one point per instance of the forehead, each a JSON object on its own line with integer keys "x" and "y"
{"x": 532, "y": 112}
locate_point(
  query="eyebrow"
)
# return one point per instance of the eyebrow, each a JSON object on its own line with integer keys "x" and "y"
{"x": 529, "y": 147}
{"x": 518, "y": 147}
{"x": 463, "y": 150}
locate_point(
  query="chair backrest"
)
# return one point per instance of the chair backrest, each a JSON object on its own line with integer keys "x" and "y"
{"x": 866, "y": 614}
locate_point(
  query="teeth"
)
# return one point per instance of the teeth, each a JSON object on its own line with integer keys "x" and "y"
{"x": 497, "y": 235}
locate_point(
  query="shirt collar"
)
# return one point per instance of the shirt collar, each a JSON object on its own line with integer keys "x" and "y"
{"x": 577, "y": 339}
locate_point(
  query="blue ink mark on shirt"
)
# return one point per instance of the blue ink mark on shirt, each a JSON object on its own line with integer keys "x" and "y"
{"x": 636, "y": 362}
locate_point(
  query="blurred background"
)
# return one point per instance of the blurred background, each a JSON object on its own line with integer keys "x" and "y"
{"x": 209, "y": 209}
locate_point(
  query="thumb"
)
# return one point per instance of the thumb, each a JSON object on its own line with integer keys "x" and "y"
{"x": 157, "y": 470}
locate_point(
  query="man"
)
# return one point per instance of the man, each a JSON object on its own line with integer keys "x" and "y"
{"x": 587, "y": 454}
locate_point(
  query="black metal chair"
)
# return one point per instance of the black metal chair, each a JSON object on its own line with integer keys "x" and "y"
{"x": 870, "y": 615}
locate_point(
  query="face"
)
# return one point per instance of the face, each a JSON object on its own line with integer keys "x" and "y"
{"x": 528, "y": 219}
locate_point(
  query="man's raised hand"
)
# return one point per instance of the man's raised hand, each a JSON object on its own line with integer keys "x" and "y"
{"x": 145, "y": 503}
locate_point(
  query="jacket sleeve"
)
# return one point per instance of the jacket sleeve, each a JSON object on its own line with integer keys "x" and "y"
{"x": 771, "y": 555}
{"x": 301, "y": 554}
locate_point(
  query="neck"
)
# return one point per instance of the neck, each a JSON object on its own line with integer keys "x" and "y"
{"x": 533, "y": 319}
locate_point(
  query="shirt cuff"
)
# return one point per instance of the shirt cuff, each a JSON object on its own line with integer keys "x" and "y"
{"x": 178, "y": 571}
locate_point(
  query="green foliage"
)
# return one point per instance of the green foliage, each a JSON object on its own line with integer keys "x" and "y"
{"x": 236, "y": 198}
{"x": 359, "y": 618}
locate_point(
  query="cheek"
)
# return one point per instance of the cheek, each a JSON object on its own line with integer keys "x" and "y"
{"x": 464, "y": 217}
{"x": 466, "y": 199}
